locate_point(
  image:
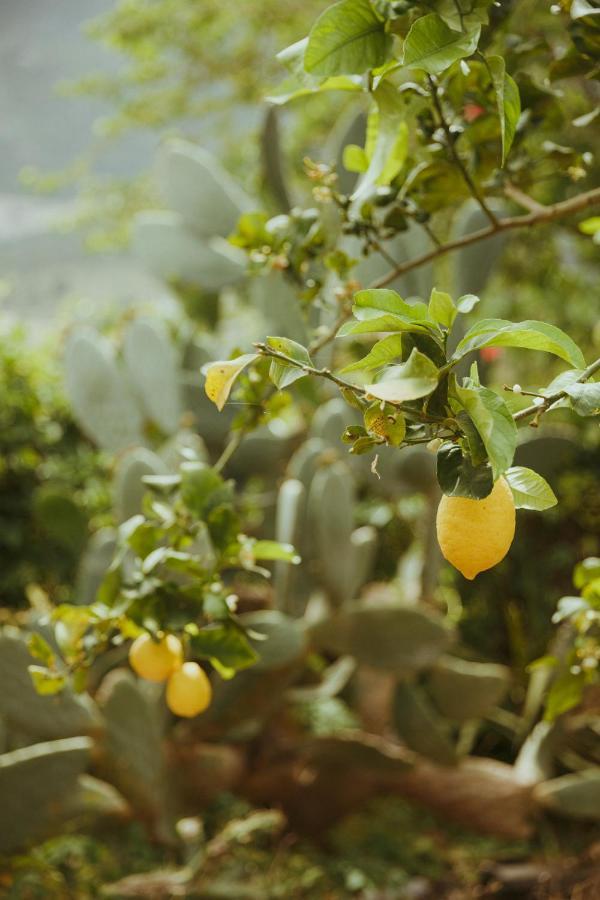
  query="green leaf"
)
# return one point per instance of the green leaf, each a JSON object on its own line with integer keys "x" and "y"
{"x": 565, "y": 693}
{"x": 355, "y": 159}
{"x": 387, "y": 141}
{"x": 431, "y": 46}
{"x": 225, "y": 642}
{"x": 494, "y": 422}
{"x": 347, "y": 39}
{"x": 460, "y": 14}
{"x": 466, "y": 303}
{"x": 368, "y": 303}
{"x": 381, "y": 354}
{"x": 458, "y": 477}
{"x": 586, "y": 571}
{"x": 508, "y": 101}
{"x": 292, "y": 88}
{"x": 379, "y": 324}
{"x": 590, "y": 226}
{"x": 283, "y": 374}
{"x": 585, "y": 398}
{"x": 40, "y": 649}
{"x": 530, "y": 490}
{"x": 529, "y": 335}
{"x": 415, "y": 378}
{"x": 273, "y": 550}
{"x": 203, "y": 489}
{"x": 46, "y": 681}
{"x": 442, "y": 308}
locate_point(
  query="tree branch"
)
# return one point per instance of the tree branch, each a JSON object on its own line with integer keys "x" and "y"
{"x": 537, "y": 409}
{"x": 543, "y": 215}
{"x": 356, "y": 389}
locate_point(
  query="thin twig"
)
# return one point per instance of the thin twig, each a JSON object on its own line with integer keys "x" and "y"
{"x": 545, "y": 214}
{"x": 329, "y": 333}
{"x": 522, "y": 199}
{"x": 541, "y": 408}
{"x": 356, "y": 389}
{"x": 456, "y": 156}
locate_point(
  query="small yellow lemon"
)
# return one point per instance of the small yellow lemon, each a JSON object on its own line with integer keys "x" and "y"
{"x": 475, "y": 535}
{"x": 188, "y": 691}
{"x": 155, "y": 660}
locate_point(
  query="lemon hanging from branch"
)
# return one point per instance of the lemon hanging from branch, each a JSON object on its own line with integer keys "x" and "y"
{"x": 475, "y": 535}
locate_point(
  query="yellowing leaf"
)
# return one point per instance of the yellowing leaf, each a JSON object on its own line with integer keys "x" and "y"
{"x": 220, "y": 376}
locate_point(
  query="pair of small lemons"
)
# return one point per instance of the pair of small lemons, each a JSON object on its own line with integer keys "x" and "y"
{"x": 188, "y": 689}
{"x": 475, "y": 535}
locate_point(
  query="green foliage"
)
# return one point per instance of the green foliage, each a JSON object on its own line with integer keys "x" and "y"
{"x": 53, "y": 485}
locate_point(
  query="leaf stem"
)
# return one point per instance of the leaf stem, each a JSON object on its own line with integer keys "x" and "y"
{"x": 456, "y": 156}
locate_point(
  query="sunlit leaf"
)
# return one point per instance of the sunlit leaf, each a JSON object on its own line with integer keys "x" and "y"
{"x": 381, "y": 354}
{"x": 493, "y": 421}
{"x": 530, "y": 490}
{"x": 221, "y": 375}
{"x": 431, "y": 46}
{"x": 508, "y": 102}
{"x": 529, "y": 335}
{"x": 347, "y": 38}
{"x": 415, "y": 378}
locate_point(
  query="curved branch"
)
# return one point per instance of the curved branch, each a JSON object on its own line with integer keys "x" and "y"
{"x": 540, "y": 408}
{"x": 537, "y": 217}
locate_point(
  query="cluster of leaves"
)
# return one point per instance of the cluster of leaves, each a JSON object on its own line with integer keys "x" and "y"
{"x": 170, "y": 573}
{"x": 439, "y": 89}
{"x": 52, "y": 481}
{"x": 409, "y": 393}
{"x": 580, "y": 666}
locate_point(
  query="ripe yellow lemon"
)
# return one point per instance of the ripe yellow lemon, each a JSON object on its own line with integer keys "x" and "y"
{"x": 188, "y": 690}
{"x": 475, "y": 535}
{"x": 155, "y": 660}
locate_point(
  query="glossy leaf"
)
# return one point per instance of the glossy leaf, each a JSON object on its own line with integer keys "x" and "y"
{"x": 458, "y": 477}
{"x": 221, "y": 376}
{"x": 508, "y": 101}
{"x": 530, "y": 490}
{"x": 223, "y": 641}
{"x": 348, "y": 38}
{"x": 390, "y": 147}
{"x": 381, "y": 354}
{"x": 283, "y": 374}
{"x": 385, "y": 300}
{"x": 432, "y": 46}
{"x": 585, "y": 397}
{"x": 442, "y": 308}
{"x": 494, "y": 422}
{"x": 415, "y": 378}
{"x": 529, "y": 335}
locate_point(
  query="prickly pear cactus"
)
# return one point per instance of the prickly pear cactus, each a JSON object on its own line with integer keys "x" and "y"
{"x": 129, "y": 488}
{"x": 420, "y": 727}
{"x": 576, "y": 796}
{"x": 195, "y": 185}
{"x": 393, "y": 637}
{"x": 170, "y": 250}
{"x": 101, "y": 398}
{"x": 463, "y": 690}
{"x": 331, "y": 502}
{"x": 131, "y": 753}
{"x": 96, "y": 559}
{"x": 35, "y": 786}
{"x": 41, "y": 717}
{"x": 153, "y": 367}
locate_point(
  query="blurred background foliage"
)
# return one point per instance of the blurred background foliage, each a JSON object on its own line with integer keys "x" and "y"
{"x": 68, "y": 479}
